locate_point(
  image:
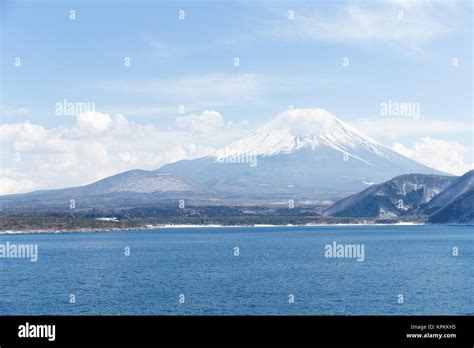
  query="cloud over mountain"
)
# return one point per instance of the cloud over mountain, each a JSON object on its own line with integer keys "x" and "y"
{"x": 447, "y": 156}
{"x": 95, "y": 146}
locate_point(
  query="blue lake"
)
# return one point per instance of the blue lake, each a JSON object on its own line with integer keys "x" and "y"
{"x": 274, "y": 265}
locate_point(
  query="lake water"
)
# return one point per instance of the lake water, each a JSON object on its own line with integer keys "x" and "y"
{"x": 274, "y": 266}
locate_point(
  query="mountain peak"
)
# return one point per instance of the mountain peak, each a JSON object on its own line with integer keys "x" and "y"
{"x": 302, "y": 128}
{"x": 304, "y": 122}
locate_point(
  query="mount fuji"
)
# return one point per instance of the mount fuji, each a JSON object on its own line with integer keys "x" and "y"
{"x": 303, "y": 154}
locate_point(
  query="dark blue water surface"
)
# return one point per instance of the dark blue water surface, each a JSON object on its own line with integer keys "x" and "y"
{"x": 415, "y": 261}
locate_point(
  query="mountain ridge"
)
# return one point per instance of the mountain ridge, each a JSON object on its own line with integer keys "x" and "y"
{"x": 301, "y": 154}
{"x": 439, "y": 198}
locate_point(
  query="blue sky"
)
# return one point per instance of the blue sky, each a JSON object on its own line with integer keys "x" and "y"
{"x": 400, "y": 51}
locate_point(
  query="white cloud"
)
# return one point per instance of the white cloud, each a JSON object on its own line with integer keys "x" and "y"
{"x": 209, "y": 128}
{"x": 205, "y": 89}
{"x": 447, "y": 156}
{"x": 207, "y": 122}
{"x": 383, "y": 128}
{"x": 22, "y": 132}
{"x": 417, "y": 23}
{"x": 10, "y": 186}
{"x": 9, "y": 111}
{"x": 155, "y": 110}
{"x": 93, "y": 121}
{"x": 98, "y": 145}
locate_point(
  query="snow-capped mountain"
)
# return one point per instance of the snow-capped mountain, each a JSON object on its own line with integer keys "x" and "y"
{"x": 303, "y": 153}
{"x": 304, "y": 128}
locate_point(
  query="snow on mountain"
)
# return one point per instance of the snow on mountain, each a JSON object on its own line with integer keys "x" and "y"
{"x": 458, "y": 188}
{"x": 301, "y": 154}
{"x": 303, "y": 128}
{"x": 131, "y": 182}
{"x": 143, "y": 181}
{"x": 306, "y": 153}
{"x": 403, "y": 195}
{"x": 435, "y": 198}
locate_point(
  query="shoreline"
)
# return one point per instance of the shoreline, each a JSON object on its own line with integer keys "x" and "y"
{"x": 183, "y": 226}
